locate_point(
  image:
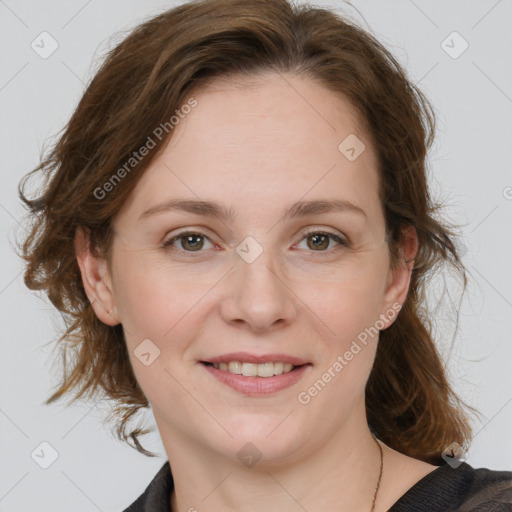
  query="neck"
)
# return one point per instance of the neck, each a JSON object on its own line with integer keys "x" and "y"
{"x": 340, "y": 476}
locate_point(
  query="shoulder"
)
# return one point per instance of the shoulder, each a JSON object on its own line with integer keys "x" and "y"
{"x": 489, "y": 491}
{"x": 157, "y": 494}
{"x": 461, "y": 489}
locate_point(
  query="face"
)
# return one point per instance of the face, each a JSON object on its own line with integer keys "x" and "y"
{"x": 283, "y": 279}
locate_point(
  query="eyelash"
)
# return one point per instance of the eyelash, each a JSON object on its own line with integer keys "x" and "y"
{"x": 334, "y": 236}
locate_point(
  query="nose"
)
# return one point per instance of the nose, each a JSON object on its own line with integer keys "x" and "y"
{"x": 258, "y": 296}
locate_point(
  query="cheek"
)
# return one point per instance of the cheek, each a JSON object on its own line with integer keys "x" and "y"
{"x": 157, "y": 314}
{"x": 349, "y": 305}
{"x": 348, "y": 311}
{"x": 152, "y": 299}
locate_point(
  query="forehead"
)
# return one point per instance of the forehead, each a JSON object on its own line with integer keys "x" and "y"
{"x": 270, "y": 138}
{"x": 279, "y": 111}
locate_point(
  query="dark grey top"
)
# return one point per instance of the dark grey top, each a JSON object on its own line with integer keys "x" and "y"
{"x": 445, "y": 489}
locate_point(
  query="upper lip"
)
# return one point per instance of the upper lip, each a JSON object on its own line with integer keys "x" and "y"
{"x": 245, "y": 357}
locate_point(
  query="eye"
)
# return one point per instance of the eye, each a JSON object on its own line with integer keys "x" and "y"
{"x": 190, "y": 241}
{"x": 319, "y": 241}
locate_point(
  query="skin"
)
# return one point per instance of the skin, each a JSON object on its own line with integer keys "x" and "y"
{"x": 257, "y": 146}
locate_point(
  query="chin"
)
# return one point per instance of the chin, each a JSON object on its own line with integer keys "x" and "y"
{"x": 266, "y": 438}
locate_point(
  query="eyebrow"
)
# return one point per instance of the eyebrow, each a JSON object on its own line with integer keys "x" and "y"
{"x": 219, "y": 211}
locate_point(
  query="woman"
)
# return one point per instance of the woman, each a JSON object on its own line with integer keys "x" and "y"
{"x": 238, "y": 226}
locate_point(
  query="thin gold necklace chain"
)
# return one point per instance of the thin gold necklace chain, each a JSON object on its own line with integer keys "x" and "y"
{"x": 380, "y": 475}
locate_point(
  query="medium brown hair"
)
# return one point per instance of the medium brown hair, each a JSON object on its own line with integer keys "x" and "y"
{"x": 140, "y": 85}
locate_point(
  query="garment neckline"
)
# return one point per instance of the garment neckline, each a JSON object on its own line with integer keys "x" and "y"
{"x": 421, "y": 490}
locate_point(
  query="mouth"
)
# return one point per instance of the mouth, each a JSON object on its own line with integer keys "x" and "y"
{"x": 264, "y": 370}
{"x": 256, "y": 375}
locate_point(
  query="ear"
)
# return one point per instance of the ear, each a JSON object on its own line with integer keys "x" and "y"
{"x": 96, "y": 279}
{"x": 399, "y": 278}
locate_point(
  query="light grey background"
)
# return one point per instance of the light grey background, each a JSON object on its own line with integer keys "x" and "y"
{"x": 470, "y": 170}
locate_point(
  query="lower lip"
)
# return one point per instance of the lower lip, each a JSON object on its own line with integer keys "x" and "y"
{"x": 257, "y": 386}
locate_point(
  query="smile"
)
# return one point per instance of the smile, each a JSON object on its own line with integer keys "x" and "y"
{"x": 255, "y": 379}
{"x": 255, "y": 370}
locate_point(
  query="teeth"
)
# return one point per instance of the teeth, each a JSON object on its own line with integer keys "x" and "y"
{"x": 250, "y": 369}
{"x": 235, "y": 367}
{"x": 278, "y": 368}
{"x": 253, "y": 369}
{"x": 265, "y": 369}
